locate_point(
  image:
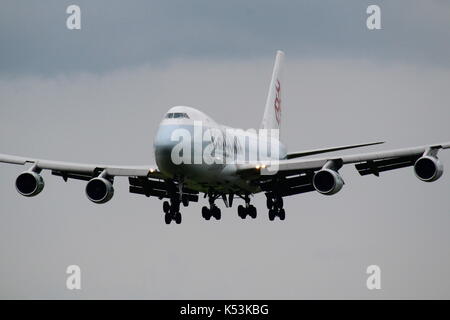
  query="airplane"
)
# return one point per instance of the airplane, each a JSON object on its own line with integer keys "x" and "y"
{"x": 277, "y": 175}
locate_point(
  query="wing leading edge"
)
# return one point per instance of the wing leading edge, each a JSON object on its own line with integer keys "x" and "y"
{"x": 318, "y": 151}
{"x": 294, "y": 176}
{"x": 100, "y": 177}
{"x": 81, "y": 168}
{"x": 317, "y": 163}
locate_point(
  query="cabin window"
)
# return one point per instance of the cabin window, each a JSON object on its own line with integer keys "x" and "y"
{"x": 178, "y": 115}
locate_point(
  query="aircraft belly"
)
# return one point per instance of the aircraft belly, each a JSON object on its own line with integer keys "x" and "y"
{"x": 217, "y": 177}
{"x": 200, "y": 177}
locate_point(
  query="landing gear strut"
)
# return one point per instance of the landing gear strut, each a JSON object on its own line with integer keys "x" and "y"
{"x": 213, "y": 210}
{"x": 275, "y": 206}
{"x": 247, "y": 210}
{"x": 172, "y": 209}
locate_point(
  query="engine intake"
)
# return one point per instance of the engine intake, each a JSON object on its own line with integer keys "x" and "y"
{"x": 327, "y": 181}
{"x": 29, "y": 184}
{"x": 99, "y": 190}
{"x": 428, "y": 168}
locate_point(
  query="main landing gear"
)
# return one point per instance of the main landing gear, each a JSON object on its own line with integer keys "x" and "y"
{"x": 172, "y": 211}
{"x": 275, "y": 206}
{"x": 247, "y": 210}
{"x": 213, "y": 210}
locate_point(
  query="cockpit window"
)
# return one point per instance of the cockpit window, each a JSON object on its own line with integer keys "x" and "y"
{"x": 177, "y": 115}
{"x": 181, "y": 115}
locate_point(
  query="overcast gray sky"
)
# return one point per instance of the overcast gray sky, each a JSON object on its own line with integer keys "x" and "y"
{"x": 98, "y": 94}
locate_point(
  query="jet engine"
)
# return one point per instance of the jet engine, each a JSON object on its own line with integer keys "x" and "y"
{"x": 99, "y": 190}
{"x": 29, "y": 183}
{"x": 327, "y": 181}
{"x": 428, "y": 168}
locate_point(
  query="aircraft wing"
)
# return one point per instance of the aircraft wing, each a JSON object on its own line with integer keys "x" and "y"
{"x": 288, "y": 177}
{"x": 144, "y": 180}
{"x": 81, "y": 169}
{"x": 318, "y": 151}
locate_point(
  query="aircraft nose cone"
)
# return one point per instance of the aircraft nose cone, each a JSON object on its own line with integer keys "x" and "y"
{"x": 163, "y": 146}
{"x": 163, "y": 142}
{"x": 163, "y": 157}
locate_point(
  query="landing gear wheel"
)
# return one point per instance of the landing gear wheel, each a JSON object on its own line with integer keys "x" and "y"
{"x": 280, "y": 203}
{"x": 269, "y": 203}
{"x": 241, "y": 212}
{"x": 252, "y": 212}
{"x": 166, "y": 206}
{"x": 177, "y": 218}
{"x": 272, "y": 214}
{"x": 282, "y": 214}
{"x": 216, "y": 213}
{"x": 206, "y": 214}
{"x": 168, "y": 218}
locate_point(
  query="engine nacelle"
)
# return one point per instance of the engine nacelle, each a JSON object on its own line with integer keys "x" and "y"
{"x": 327, "y": 181}
{"x": 428, "y": 168}
{"x": 29, "y": 184}
{"x": 99, "y": 190}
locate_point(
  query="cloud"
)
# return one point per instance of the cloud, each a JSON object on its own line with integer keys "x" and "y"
{"x": 118, "y": 35}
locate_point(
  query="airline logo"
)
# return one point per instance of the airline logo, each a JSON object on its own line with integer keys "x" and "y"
{"x": 277, "y": 103}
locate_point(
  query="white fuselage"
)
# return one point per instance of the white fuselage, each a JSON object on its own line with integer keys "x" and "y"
{"x": 198, "y": 172}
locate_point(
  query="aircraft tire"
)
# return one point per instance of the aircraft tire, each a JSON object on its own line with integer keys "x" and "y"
{"x": 269, "y": 203}
{"x": 206, "y": 213}
{"x": 241, "y": 211}
{"x": 177, "y": 218}
{"x": 166, "y": 206}
{"x": 168, "y": 218}
{"x": 252, "y": 212}
{"x": 271, "y": 214}
{"x": 282, "y": 214}
{"x": 217, "y": 213}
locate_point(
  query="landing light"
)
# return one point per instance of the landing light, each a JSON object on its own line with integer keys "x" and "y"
{"x": 260, "y": 166}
